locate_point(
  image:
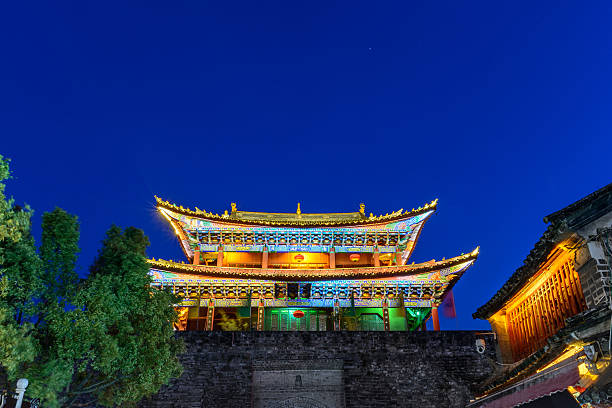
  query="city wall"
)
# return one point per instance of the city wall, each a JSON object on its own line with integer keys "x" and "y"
{"x": 328, "y": 370}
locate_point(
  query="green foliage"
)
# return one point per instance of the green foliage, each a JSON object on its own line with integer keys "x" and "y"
{"x": 59, "y": 249}
{"x": 104, "y": 340}
{"x": 126, "y": 329}
{"x": 19, "y": 282}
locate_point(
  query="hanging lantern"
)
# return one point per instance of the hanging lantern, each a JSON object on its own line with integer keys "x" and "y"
{"x": 298, "y": 314}
{"x": 354, "y": 257}
{"x": 299, "y": 257}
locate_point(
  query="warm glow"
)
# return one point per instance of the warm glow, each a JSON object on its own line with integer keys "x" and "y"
{"x": 569, "y": 352}
{"x": 541, "y": 306}
{"x": 163, "y": 211}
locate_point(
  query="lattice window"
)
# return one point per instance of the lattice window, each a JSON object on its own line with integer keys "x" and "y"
{"x": 542, "y": 311}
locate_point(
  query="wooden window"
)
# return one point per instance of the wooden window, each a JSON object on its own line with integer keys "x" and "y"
{"x": 540, "y": 310}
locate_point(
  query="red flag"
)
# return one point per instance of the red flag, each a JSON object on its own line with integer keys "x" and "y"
{"x": 448, "y": 306}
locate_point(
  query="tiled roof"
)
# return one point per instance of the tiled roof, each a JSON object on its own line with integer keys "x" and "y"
{"x": 602, "y": 193}
{"x": 582, "y": 322}
{"x": 312, "y": 274}
{"x": 536, "y": 256}
{"x": 297, "y": 219}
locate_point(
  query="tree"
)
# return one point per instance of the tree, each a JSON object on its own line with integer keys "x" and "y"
{"x": 107, "y": 339}
{"x": 58, "y": 251}
{"x": 19, "y": 282}
{"x": 125, "y": 330}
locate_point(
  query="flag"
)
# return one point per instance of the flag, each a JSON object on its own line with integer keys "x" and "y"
{"x": 448, "y": 306}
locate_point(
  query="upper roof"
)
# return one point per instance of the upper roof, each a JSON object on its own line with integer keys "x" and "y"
{"x": 297, "y": 219}
{"x": 562, "y": 223}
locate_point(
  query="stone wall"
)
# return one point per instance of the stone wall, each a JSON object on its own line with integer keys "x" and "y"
{"x": 365, "y": 369}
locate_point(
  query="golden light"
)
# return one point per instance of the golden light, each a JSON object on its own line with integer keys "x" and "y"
{"x": 163, "y": 211}
{"x": 354, "y": 257}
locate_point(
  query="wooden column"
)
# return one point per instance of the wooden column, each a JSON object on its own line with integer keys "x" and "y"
{"x": 376, "y": 257}
{"x": 336, "y": 315}
{"x": 398, "y": 258}
{"x": 220, "y": 256}
{"x": 199, "y": 300}
{"x": 385, "y": 308}
{"x": 264, "y": 258}
{"x": 424, "y": 325}
{"x": 196, "y": 257}
{"x": 332, "y": 258}
{"x": 260, "y": 315}
{"x": 435, "y": 318}
{"x": 210, "y": 314}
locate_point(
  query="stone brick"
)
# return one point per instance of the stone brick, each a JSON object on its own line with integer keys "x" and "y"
{"x": 379, "y": 369}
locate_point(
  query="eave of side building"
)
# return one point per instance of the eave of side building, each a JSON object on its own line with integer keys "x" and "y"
{"x": 563, "y": 224}
{"x": 581, "y": 329}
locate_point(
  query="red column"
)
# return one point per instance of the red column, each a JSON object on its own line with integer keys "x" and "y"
{"x": 220, "y": 256}
{"x": 264, "y": 258}
{"x": 196, "y": 257}
{"x": 260, "y": 315}
{"x": 210, "y": 314}
{"x": 434, "y": 317}
{"x": 386, "y": 322}
{"x": 376, "y": 257}
{"x": 332, "y": 259}
{"x": 398, "y": 258}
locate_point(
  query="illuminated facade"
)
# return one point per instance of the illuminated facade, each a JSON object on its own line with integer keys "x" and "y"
{"x": 299, "y": 271}
{"x": 551, "y": 315}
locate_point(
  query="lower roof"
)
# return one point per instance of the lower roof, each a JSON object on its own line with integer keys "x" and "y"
{"x": 444, "y": 267}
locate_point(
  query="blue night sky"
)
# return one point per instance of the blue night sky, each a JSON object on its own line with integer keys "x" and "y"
{"x": 500, "y": 110}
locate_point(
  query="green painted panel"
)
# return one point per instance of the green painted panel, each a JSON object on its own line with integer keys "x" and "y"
{"x": 282, "y": 319}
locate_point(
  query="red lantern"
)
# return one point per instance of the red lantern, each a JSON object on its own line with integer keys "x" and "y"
{"x": 298, "y": 314}
{"x": 354, "y": 257}
{"x": 299, "y": 257}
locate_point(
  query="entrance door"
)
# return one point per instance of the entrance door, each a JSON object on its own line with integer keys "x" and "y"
{"x": 284, "y": 320}
{"x": 371, "y": 322}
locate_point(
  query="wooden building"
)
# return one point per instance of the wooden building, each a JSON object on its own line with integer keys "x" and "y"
{"x": 301, "y": 271}
{"x": 567, "y": 271}
{"x": 552, "y": 316}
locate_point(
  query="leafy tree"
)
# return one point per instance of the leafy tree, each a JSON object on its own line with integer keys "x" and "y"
{"x": 54, "y": 367}
{"x": 105, "y": 340}
{"x": 126, "y": 342}
{"x": 58, "y": 251}
{"x": 19, "y": 282}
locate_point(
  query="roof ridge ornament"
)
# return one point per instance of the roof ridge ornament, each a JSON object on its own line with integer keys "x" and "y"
{"x": 358, "y": 218}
